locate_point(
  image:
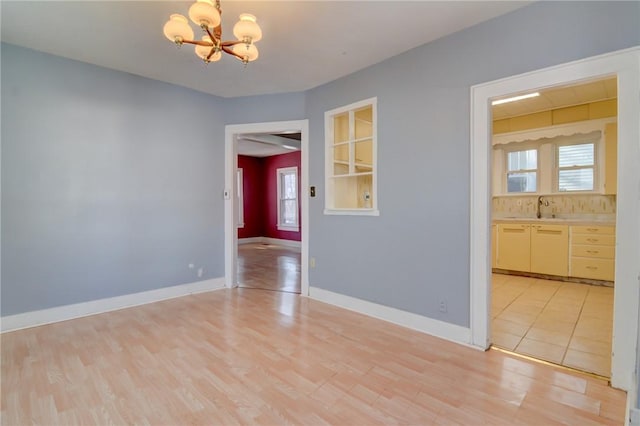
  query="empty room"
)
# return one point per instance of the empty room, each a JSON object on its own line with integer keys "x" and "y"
{"x": 320, "y": 212}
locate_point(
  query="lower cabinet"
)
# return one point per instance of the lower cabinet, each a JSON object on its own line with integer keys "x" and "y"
{"x": 550, "y": 249}
{"x": 543, "y": 249}
{"x": 494, "y": 237}
{"x": 513, "y": 250}
{"x": 575, "y": 251}
{"x": 593, "y": 252}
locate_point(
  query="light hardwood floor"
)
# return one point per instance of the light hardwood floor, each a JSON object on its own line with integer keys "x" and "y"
{"x": 269, "y": 267}
{"x": 245, "y": 356}
{"x": 561, "y": 322}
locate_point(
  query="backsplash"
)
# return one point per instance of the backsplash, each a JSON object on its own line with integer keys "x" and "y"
{"x": 563, "y": 206}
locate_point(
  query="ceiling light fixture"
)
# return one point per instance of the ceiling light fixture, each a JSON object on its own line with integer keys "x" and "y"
{"x": 207, "y": 16}
{"x": 515, "y": 98}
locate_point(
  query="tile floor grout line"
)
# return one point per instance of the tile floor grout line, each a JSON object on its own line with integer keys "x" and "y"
{"x": 537, "y": 316}
{"x": 574, "y": 327}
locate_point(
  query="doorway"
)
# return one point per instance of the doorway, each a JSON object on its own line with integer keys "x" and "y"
{"x": 233, "y": 134}
{"x": 624, "y": 65}
{"x": 268, "y": 188}
{"x": 553, "y": 207}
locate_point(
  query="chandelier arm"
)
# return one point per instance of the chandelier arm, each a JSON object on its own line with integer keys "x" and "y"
{"x": 199, "y": 43}
{"x": 231, "y": 52}
{"x": 215, "y": 36}
{"x": 231, "y": 43}
{"x": 211, "y": 53}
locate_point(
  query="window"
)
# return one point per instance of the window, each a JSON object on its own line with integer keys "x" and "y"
{"x": 576, "y": 167}
{"x": 350, "y": 156}
{"x": 240, "y": 195}
{"x": 288, "y": 199}
{"x": 522, "y": 171}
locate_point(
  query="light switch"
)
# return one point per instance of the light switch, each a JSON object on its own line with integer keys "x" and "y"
{"x": 312, "y": 191}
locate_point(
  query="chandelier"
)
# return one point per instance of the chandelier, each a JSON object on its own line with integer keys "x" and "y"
{"x": 206, "y": 15}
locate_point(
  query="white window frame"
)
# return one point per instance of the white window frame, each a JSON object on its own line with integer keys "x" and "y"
{"x": 507, "y": 171}
{"x": 280, "y": 173}
{"x": 596, "y": 157}
{"x": 330, "y": 208}
{"x": 240, "y": 197}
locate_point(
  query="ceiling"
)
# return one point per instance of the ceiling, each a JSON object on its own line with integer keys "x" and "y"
{"x": 559, "y": 97}
{"x": 301, "y": 38}
{"x": 266, "y": 145}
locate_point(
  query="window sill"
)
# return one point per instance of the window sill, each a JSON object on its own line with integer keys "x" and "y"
{"x": 288, "y": 228}
{"x": 352, "y": 212}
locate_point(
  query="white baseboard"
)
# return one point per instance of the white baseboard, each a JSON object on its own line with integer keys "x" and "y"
{"x": 269, "y": 240}
{"x": 632, "y": 413}
{"x": 441, "y": 329}
{"x": 250, "y": 240}
{"x": 77, "y": 310}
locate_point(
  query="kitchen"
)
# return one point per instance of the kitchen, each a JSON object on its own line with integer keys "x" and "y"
{"x": 553, "y": 224}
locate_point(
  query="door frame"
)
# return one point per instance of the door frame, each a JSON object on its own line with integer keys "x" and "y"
{"x": 626, "y": 65}
{"x": 230, "y": 217}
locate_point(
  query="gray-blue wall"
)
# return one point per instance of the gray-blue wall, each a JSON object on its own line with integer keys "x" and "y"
{"x": 417, "y": 251}
{"x": 111, "y": 185}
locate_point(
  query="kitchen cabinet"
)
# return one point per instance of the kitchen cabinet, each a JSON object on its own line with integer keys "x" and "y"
{"x": 513, "y": 250}
{"x": 593, "y": 252}
{"x": 494, "y": 239}
{"x": 550, "y": 249}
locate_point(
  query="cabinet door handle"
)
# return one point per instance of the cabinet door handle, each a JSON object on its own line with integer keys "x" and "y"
{"x": 593, "y": 251}
{"x": 592, "y": 267}
{"x": 592, "y": 229}
{"x": 549, "y": 231}
{"x": 592, "y": 240}
{"x": 513, "y": 229}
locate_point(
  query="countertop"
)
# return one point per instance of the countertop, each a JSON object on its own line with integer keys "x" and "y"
{"x": 557, "y": 221}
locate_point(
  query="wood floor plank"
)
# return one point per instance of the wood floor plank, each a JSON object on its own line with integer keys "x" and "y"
{"x": 246, "y": 356}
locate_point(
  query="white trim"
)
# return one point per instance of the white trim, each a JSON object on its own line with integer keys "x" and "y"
{"x": 626, "y": 65}
{"x": 280, "y": 172}
{"x": 551, "y": 132}
{"x": 231, "y": 160}
{"x": 330, "y": 179}
{"x": 93, "y": 307}
{"x": 240, "y": 195}
{"x": 444, "y": 330}
{"x": 352, "y": 212}
{"x": 251, "y": 240}
{"x": 269, "y": 240}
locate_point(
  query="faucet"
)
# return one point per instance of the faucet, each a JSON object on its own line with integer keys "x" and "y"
{"x": 540, "y": 203}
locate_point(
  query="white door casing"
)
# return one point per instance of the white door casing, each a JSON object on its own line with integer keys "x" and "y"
{"x": 625, "y": 65}
{"x": 230, "y": 216}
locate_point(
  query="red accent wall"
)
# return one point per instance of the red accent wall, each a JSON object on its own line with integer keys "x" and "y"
{"x": 271, "y": 164}
{"x": 253, "y": 188}
{"x": 261, "y": 192}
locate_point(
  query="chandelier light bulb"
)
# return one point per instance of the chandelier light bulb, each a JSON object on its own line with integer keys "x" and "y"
{"x": 247, "y": 28}
{"x": 178, "y": 29}
{"x": 203, "y": 12}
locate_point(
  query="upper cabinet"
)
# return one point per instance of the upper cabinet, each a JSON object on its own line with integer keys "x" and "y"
{"x": 350, "y": 156}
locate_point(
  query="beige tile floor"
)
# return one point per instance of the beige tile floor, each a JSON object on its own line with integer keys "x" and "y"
{"x": 565, "y": 323}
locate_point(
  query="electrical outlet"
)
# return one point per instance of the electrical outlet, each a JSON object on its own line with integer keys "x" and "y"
{"x": 443, "y": 305}
{"x": 191, "y": 265}
{"x": 312, "y": 262}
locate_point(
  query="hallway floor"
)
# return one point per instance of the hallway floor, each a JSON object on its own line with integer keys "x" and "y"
{"x": 269, "y": 267}
{"x": 564, "y": 323}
